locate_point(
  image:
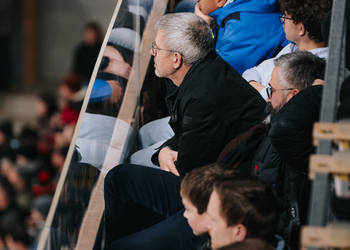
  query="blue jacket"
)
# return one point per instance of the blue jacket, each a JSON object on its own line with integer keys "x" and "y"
{"x": 256, "y": 36}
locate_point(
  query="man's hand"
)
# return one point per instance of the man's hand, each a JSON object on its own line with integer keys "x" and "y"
{"x": 166, "y": 159}
{"x": 318, "y": 82}
{"x": 256, "y": 85}
{"x": 119, "y": 68}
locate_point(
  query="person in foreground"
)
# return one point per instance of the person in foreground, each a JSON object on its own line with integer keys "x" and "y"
{"x": 211, "y": 105}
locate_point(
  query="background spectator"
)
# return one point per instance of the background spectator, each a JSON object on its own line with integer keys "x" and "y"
{"x": 86, "y": 52}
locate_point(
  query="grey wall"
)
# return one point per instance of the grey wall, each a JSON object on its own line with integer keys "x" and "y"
{"x": 61, "y": 25}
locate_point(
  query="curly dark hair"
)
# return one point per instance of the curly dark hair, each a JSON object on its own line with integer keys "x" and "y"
{"x": 308, "y": 12}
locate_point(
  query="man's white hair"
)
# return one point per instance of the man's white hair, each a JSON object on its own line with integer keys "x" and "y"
{"x": 187, "y": 34}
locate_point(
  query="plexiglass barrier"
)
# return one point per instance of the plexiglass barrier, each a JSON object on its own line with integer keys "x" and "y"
{"x": 105, "y": 133}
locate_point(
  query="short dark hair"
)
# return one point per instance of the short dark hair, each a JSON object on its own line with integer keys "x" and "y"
{"x": 250, "y": 243}
{"x": 308, "y": 12}
{"x": 248, "y": 201}
{"x": 198, "y": 184}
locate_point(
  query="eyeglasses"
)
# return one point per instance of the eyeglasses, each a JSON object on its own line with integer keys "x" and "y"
{"x": 284, "y": 17}
{"x": 270, "y": 90}
{"x": 155, "y": 48}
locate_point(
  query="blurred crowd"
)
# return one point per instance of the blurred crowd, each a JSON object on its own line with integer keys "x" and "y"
{"x": 32, "y": 158}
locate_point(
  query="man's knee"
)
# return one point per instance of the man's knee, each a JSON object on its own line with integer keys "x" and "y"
{"x": 116, "y": 176}
{"x": 128, "y": 177}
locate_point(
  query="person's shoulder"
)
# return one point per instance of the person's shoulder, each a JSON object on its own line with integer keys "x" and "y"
{"x": 307, "y": 96}
{"x": 302, "y": 110}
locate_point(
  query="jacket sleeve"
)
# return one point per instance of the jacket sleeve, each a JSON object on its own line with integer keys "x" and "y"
{"x": 262, "y": 72}
{"x": 171, "y": 143}
{"x": 252, "y": 74}
{"x": 202, "y": 136}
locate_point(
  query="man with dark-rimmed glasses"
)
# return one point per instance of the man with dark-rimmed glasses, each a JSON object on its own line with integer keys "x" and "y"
{"x": 211, "y": 105}
{"x": 292, "y": 73}
{"x": 282, "y": 157}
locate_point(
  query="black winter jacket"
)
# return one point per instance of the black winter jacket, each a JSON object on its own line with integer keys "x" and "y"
{"x": 291, "y": 128}
{"x": 212, "y": 105}
{"x": 283, "y": 156}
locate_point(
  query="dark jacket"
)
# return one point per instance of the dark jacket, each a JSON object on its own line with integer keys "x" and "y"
{"x": 212, "y": 105}
{"x": 84, "y": 60}
{"x": 289, "y": 139}
{"x": 291, "y": 128}
{"x": 283, "y": 156}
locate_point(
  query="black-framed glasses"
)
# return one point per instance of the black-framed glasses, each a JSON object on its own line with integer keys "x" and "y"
{"x": 284, "y": 17}
{"x": 155, "y": 48}
{"x": 270, "y": 90}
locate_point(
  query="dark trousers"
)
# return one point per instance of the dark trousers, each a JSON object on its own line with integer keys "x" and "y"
{"x": 144, "y": 210}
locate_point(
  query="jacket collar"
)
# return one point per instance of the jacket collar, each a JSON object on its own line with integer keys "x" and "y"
{"x": 191, "y": 78}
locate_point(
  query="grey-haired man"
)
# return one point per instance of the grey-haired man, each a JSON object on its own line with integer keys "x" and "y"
{"x": 211, "y": 104}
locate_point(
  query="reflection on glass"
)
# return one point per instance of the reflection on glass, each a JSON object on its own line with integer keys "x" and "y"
{"x": 98, "y": 126}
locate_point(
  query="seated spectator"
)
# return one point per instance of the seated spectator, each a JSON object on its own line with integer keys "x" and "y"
{"x": 58, "y": 157}
{"x": 39, "y": 210}
{"x": 20, "y": 178}
{"x": 246, "y": 32}
{"x": 27, "y": 151}
{"x": 71, "y": 96}
{"x": 242, "y": 50}
{"x": 302, "y": 25}
{"x": 202, "y": 123}
{"x": 85, "y": 54}
{"x": 250, "y": 243}
{"x": 282, "y": 157}
{"x": 46, "y": 109}
{"x": 239, "y": 208}
{"x": 196, "y": 188}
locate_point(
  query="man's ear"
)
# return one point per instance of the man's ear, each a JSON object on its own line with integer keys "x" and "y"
{"x": 295, "y": 91}
{"x": 302, "y": 29}
{"x": 239, "y": 232}
{"x": 220, "y": 3}
{"x": 177, "y": 60}
{"x": 292, "y": 93}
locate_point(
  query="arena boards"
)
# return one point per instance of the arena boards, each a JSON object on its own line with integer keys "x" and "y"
{"x": 103, "y": 137}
